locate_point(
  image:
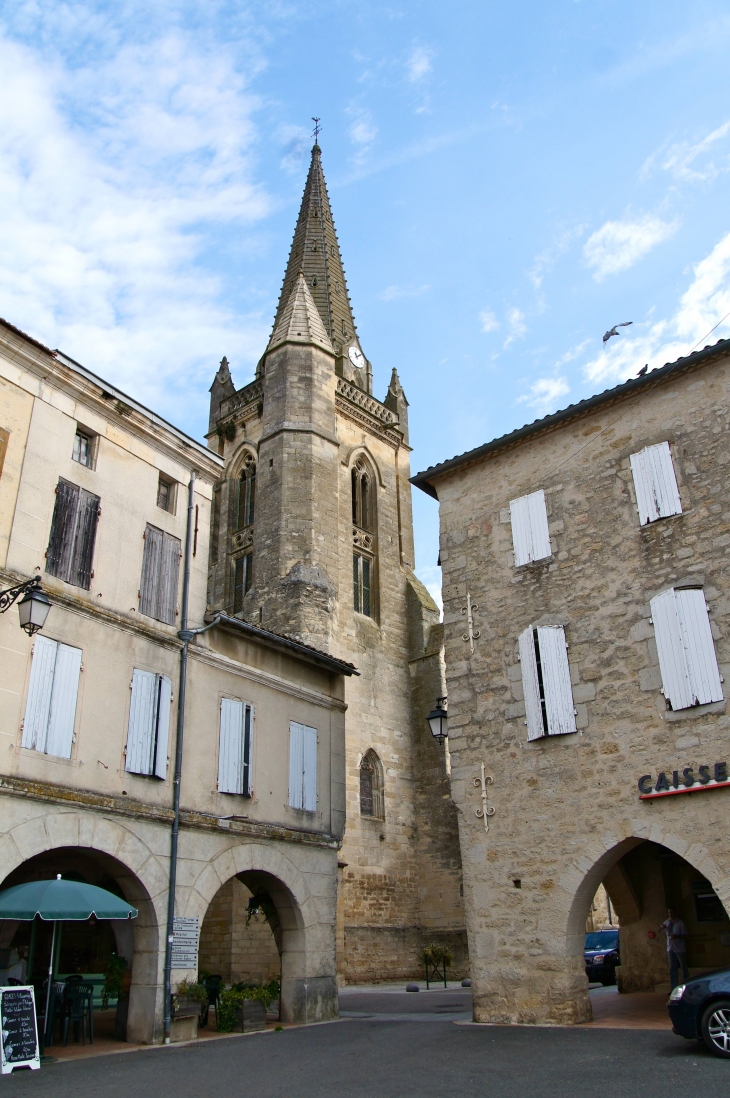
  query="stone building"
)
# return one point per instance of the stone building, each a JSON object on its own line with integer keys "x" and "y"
{"x": 587, "y": 640}
{"x": 313, "y": 537}
{"x": 109, "y": 504}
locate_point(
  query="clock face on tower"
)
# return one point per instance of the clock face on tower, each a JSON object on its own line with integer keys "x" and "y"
{"x": 357, "y": 358}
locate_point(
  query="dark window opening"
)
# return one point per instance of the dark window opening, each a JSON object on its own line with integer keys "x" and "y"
{"x": 83, "y": 449}
{"x": 361, "y": 568}
{"x": 166, "y": 495}
{"x": 242, "y": 577}
{"x": 540, "y": 683}
{"x": 372, "y": 801}
{"x": 246, "y": 495}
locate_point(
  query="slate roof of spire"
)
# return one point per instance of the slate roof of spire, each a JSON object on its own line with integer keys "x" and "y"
{"x": 315, "y": 252}
{"x": 608, "y": 396}
{"x": 299, "y": 320}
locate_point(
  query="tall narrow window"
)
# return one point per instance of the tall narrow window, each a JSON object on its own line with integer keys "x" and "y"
{"x": 160, "y": 567}
{"x": 166, "y": 494}
{"x": 50, "y": 709}
{"x": 549, "y": 708}
{"x": 361, "y": 570}
{"x": 685, "y": 647}
{"x": 73, "y": 533}
{"x": 242, "y": 577}
{"x": 234, "y": 752}
{"x": 302, "y": 767}
{"x": 530, "y": 536}
{"x": 655, "y": 483}
{"x": 371, "y": 786}
{"x": 246, "y": 494}
{"x": 149, "y": 724}
{"x": 216, "y": 525}
{"x": 363, "y": 522}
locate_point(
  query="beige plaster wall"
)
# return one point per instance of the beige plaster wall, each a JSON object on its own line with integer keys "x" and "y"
{"x": 16, "y": 405}
{"x": 567, "y": 806}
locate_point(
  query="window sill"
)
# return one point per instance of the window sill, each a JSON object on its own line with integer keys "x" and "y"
{"x": 695, "y": 711}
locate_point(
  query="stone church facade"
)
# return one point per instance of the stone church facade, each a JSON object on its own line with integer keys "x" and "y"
{"x": 313, "y": 538}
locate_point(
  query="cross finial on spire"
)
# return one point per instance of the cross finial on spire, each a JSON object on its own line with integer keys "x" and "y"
{"x": 317, "y": 128}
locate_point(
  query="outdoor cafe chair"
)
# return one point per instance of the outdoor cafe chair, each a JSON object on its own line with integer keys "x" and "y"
{"x": 79, "y": 1006}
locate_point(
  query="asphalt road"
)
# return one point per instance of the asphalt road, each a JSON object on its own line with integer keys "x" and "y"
{"x": 396, "y": 1059}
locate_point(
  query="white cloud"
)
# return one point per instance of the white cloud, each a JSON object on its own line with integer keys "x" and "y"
{"x": 546, "y": 260}
{"x": 618, "y": 245}
{"x": 704, "y": 304}
{"x": 681, "y": 158}
{"x": 393, "y": 293}
{"x": 430, "y": 577}
{"x": 517, "y": 326}
{"x": 488, "y": 321}
{"x": 418, "y": 65}
{"x": 296, "y": 142}
{"x": 108, "y": 172}
{"x": 545, "y": 393}
{"x": 363, "y": 130}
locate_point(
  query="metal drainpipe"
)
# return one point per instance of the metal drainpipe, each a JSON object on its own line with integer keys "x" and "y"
{"x": 185, "y": 635}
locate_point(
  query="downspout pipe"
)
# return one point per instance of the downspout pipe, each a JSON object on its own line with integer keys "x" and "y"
{"x": 185, "y": 635}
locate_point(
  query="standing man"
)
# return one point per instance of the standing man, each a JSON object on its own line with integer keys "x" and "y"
{"x": 676, "y": 932}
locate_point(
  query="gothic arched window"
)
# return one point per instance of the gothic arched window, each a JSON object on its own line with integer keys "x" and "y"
{"x": 246, "y": 493}
{"x": 363, "y": 535}
{"x": 372, "y": 799}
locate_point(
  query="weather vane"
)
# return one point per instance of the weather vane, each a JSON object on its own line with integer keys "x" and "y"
{"x": 317, "y": 128}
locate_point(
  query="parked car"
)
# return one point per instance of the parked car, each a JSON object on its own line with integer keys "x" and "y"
{"x": 601, "y": 955}
{"x": 700, "y": 1010}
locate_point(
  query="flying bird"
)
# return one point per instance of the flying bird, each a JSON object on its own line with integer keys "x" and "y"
{"x": 643, "y": 370}
{"x": 615, "y": 330}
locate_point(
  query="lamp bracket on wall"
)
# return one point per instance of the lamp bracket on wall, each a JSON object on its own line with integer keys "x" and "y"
{"x": 485, "y": 812}
{"x": 472, "y": 634}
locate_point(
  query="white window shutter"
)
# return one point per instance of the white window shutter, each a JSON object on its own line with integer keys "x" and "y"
{"x": 671, "y": 650}
{"x": 164, "y": 696}
{"x": 519, "y": 511}
{"x": 309, "y": 777}
{"x": 40, "y": 688}
{"x": 63, "y": 701}
{"x": 296, "y": 764}
{"x": 704, "y": 674}
{"x": 141, "y": 729}
{"x": 539, "y": 526}
{"x": 644, "y": 488}
{"x": 230, "y": 752}
{"x": 530, "y": 685}
{"x": 246, "y": 782}
{"x": 655, "y": 482}
{"x": 530, "y": 535}
{"x": 558, "y": 691}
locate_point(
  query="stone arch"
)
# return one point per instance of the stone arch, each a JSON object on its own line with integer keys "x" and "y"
{"x": 305, "y": 932}
{"x": 351, "y": 456}
{"x": 246, "y": 450}
{"x": 39, "y": 842}
{"x": 372, "y": 786}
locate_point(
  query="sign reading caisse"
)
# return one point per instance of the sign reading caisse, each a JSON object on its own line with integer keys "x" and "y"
{"x": 19, "y": 1030}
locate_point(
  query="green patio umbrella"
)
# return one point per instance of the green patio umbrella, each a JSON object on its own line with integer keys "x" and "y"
{"x": 61, "y": 901}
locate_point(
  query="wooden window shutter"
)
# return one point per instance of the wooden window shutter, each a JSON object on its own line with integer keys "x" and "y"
{"x": 296, "y": 764}
{"x": 168, "y": 581}
{"x": 531, "y": 685}
{"x": 40, "y": 688}
{"x": 557, "y": 690}
{"x": 309, "y": 769}
{"x": 151, "y": 570}
{"x": 62, "y": 716}
{"x": 687, "y": 660}
{"x": 164, "y": 701}
{"x": 230, "y": 749}
{"x": 142, "y": 723}
{"x": 655, "y": 483}
{"x": 83, "y": 554}
{"x": 59, "y": 556}
{"x": 530, "y": 535}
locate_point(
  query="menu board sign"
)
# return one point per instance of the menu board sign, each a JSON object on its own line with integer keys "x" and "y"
{"x": 19, "y": 1030}
{"x": 185, "y": 935}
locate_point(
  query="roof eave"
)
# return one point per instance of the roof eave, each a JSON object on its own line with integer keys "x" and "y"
{"x": 290, "y": 646}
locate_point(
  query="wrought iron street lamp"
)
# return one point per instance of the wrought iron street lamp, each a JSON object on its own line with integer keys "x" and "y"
{"x": 437, "y": 721}
{"x": 33, "y": 607}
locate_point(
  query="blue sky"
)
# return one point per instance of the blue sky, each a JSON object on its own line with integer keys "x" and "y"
{"x": 508, "y": 181}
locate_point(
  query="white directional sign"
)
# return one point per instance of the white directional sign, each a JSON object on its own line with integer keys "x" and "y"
{"x": 185, "y": 935}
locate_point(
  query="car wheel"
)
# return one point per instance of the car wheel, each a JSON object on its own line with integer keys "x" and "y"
{"x": 716, "y": 1028}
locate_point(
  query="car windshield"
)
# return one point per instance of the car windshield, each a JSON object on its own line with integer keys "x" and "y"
{"x": 602, "y": 939}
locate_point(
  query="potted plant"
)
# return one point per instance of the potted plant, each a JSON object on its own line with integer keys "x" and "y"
{"x": 244, "y": 1006}
{"x": 117, "y": 982}
{"x": 186, "y": 1004}
{"x": 437, "y": 959}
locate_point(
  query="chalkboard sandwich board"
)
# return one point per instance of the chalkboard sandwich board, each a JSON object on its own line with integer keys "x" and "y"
{"x": 19, "y": 1046}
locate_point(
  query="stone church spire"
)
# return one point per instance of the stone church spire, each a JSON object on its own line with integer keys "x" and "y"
{"x": 315, "y": 254}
